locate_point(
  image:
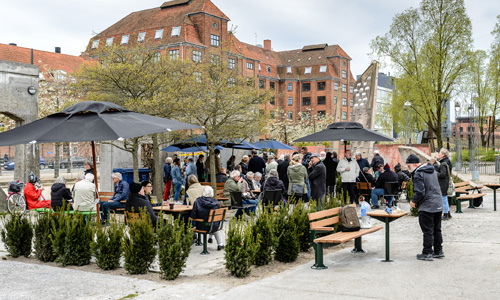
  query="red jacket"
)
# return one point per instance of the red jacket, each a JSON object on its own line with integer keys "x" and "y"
{"x": 32, "y": 194}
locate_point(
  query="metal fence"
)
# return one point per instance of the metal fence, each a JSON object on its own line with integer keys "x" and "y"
{"x": 486, "y": 168}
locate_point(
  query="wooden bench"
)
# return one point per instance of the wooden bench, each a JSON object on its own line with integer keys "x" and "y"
{"x": 215, "y": 215}
{"x": 324, "y": 222}
{"x": 105, "y": 196}
{"x": 463, "y": 192}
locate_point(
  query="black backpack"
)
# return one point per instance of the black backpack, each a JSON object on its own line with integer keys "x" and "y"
{"x": 348, "y": 219}
{"x": 478, "y": 202}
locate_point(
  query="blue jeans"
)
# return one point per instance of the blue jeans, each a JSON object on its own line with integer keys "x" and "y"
{"x": 249, "y": 210}
{"x": 446, "y": 205}
{"x": 106, "y": 206}
{"x": 379, "y": 192}
{"x": 178, "y": 187}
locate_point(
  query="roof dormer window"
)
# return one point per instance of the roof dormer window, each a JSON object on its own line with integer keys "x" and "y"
{"x": 141, "y": 37}
{"x": 268, "y": 69}
{"x": 159, "y": 34}
{"x": 322, "y": 69}
{"x": 289, "y": 69}
{"x": 260, "y": 69}
{"x": 125, "y": 39}
{"x": 95, "y": 44}
{"x": 176, "y": 31}
{"x": 109, "y": 41}
{"x": 307, "y": 70}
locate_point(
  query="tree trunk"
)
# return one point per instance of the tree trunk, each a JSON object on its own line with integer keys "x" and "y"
{"x": 135, "y": 158}
{"x": 157, "y": 169}
{"x": 213, "y": 159}
{"x": 57, "y": 159}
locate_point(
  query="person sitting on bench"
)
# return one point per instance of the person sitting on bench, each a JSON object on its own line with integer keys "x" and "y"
{"x": 386, "y": 176}
{"x": 121, "y": 194}
{"x": 138, "y": 201}
{"x": 233, "y": 184}
{"x": 201, "y": 210}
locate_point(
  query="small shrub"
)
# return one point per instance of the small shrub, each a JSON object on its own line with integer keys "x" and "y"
{"x": 72, "y": 239}
{"x": 300, "y": 216}
{"x": 107, "y": 247}
{"x": 288, "y": 242}
{"x": 174, "y": 246}
{"x": 262, "y": 231}
{"x": 240, "y": 249}
{"x": 138, "y": 245}
{"x": 409, "y": 194}
{"x": 44, "y": 250}
{"x": 17, "y": 235}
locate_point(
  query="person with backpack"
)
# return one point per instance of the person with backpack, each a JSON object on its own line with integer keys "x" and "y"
{"x": 444, "y": 177}
{"x": 427, "y": 198}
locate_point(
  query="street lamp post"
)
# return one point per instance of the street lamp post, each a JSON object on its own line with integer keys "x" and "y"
{"x": 407, "y": 109}
{"x": 472, "y": 140}
{"x": 458, "y": 158}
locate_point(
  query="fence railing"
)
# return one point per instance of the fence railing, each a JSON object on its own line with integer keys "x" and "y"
{"x": 486, "y": 168}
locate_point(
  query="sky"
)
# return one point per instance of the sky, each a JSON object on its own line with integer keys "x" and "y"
{"x": 289, "y": 24}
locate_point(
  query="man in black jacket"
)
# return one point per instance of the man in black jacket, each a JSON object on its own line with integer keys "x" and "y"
{"x": 427, "y": 198}
{"x": 402, "y": 177}
{"x": 366, "y": 176}
{"x": 379, "y": 190}
{"x": 444, "y": 177}
{"x": 317, "y": 179}
{"x": 306, "y": 156}
{"x": 282, "y": 170}
{"x": 331, "y": 172}
{"x": 256, "y": 163}
{"x": 376, "y": 160}
{"x": 138, "y": 201}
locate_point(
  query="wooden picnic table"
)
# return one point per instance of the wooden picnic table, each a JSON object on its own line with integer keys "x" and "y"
{"x": 494, "y": 187}
{"x": 383, "y": 216}
{"x": 178, "y": 208}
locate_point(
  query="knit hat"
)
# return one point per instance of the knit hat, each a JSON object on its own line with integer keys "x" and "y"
{"x": 412, "y": 159}
{"x": 397, "y": 167}
{"x": 387, "y": 167}
{"x": 135, "y": 187}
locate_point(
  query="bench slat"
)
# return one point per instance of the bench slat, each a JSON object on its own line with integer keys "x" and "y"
{"x": 471, "y": 196}
{"x": 460, "y": 184}
{"x": 342, "y": 237}
{"x": 324, "y": 222}
{"x": 324, "y": 228}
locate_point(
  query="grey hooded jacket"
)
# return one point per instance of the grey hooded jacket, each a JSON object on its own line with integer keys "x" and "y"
{"x": 427, "y": 192}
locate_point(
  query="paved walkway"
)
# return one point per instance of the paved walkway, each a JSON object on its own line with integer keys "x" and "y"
{"x": 470, "y": 270}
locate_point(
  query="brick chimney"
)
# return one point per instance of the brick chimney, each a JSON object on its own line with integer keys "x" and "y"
{"x": 267, "y": 44}
{"x": 58, "y": 50}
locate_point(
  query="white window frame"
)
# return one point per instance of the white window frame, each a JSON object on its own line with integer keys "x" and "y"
{"x": 173, "y": 54}
{"x": 197, "y": 55}
{"x": 344, "y": 88}
{"x": 176, "y": 31}
{"x": 351, "y": 89}
{"x": 95, "y": 44}
{"x": 290, "y": 101}
{"x": 109, "y": 41}
{"x": 336, "y": 86}
{"x": 289, "y": 69}
{"x": 249, "y": 65}
{"x": 141, "y": 36}
{"x": 231, "y": 63}
{"x": 157, "y": 57}
{"x": 260, "y": 69}
{"x": 344, "y": 74}
{"x": 344, "y": 115}
{"x": 214, "y": 40}
{"x": 159, "y": 34}
{"x": 307, "y": 70}
{"x": 125, "y": 39}
{"x": 290, "y": 87}
{"x": 322, "y": 69}
{"x": 290, "y": 115}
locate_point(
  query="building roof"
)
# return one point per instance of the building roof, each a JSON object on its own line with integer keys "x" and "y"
{"x": 44, "y": 59}
{"x": 170, "y": 14}
{"x": 385, "y": 81}
{"x": 312, "y": 56}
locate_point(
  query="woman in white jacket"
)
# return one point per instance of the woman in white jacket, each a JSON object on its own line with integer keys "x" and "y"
{"x": 349, "y": 171}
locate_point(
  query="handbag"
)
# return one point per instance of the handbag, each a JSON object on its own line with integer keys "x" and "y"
{"x": 451, "y": 186}
{"x": 297, "y": 189}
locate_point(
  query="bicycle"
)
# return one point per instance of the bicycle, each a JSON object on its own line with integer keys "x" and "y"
{"x": 16, "y": 201}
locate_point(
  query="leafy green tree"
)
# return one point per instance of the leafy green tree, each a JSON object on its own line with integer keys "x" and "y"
{"x": 429, "y": 47}
{"x": 494, "y": 76}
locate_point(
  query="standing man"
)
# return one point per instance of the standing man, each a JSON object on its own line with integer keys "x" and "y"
{"x": 283, "y": 170}
{"x": 190, "y": 170}
{"x": 271, "y": 164}
{"x": 362, "y": 162}
{"x": 444, "y": 177}
{"x": 331, "y": 173}
{"x": 256, "y": 163}
{"x": 349, "y": 170}
{"x": 306, "y": 156}
{"x": 121, "y": 194}
{"x": 167, "y": 178}
{"x": 376, "y": 160}
{"x": 317, "y": 179}
{"x": 427, "y": 198}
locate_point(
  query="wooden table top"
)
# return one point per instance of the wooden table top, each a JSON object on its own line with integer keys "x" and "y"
{"x": 178, "y": 208}
{"x": 493, "y": 185}
{"x": 383, "y": 213}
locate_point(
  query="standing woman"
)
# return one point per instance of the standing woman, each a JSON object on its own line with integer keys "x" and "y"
{"x": 230, "y": 163}
{"x": 444, "y": 177}
{"x": 297, "y": 176}
{"x": 167, "y": 178}
{"x": 200, "y": 170}
{"x": 331, "y": 173}
{"x": 88, "y": 168}
{"x": 244, "y": 164}
{"x": 177, "y": 178}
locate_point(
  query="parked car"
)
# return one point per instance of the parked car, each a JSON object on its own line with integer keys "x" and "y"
{"x": 10, "y": 165}
{"x": 76, "y": 162}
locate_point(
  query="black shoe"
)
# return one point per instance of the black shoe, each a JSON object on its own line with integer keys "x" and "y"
{"x": 423, "y": 256}
{"x": 220, "y": 247}
{"x": 375, "y": 207}
{"x": 439, "y": 254}
{"x": 449, "y": 215}
{"x": 445, "y": 217}
{"x": 210, "y": 240}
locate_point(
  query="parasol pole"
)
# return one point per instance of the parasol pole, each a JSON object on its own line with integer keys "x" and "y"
{"x": 92, "y": 144}
{"x": 345, "y": 146}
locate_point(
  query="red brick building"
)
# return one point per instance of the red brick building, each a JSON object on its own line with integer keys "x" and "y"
{"x": 316, "y": 77}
